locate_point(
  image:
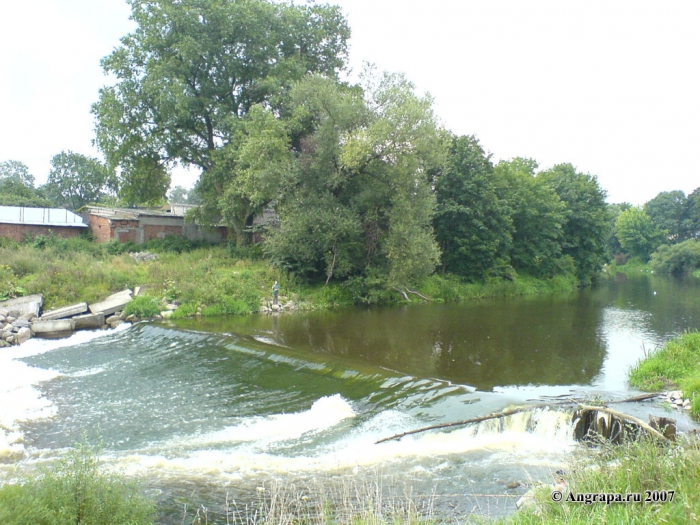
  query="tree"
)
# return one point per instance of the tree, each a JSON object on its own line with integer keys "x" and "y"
{"x": 613, "y": 244}
{"x": 472, "y": 223}
{"x": 17, "y": 186}
{"x": 192, "y": 71}
{"x": 356, "y": 200}
{"x": 537, "y": 214}
{"x": 637, "y": 233}
{"x": 693, "y": 215}
{"x": 587, "y": 220}
{"x": 76, "y": 180}
{"x": 668, "y": 211}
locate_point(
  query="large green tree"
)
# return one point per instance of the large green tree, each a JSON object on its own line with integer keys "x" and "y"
{"x": 472, "y": 222}
{"x": 76, "y": 180}
{"x": 587, "y": 219}
{"x": 668, "y": 210}
{"x": 637, "y": 233}
{"x": 537, "y": 214}
{"x": 191, "y": 71}
{"x": 357, "y": 200}
{"x": 17, "y": 186}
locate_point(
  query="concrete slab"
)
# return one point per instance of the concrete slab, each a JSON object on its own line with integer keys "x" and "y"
{"x": 89, "y": 321}
{"x": 24, "y": 305}
{"x": 119, "y": 294}
{"x": 55, "y": 329}
{"x": 114, "y": 303}
{"x": 66, "y": 311}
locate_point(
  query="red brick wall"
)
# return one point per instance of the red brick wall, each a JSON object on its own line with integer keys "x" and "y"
{"x": 18, "y": 232}
{"x": 158, "y": 232}
{"x": 101, "y": 228}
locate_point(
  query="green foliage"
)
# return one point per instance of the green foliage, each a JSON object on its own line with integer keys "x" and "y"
{"x": 472, "y": 223}
{"x": 676, "y": 363}
{"x": 537, "y": 215}
{"x": 189, "y": 74}
{"x": 634, "y": 467}
{"x": 75, "y": 491}
{"x": 637, "y": 233}
{"x": 586, "y": 226}
{"x": 358, "y": 203}
{"x": 76, "y": 180}
{"x": 677, "y": 259}
{"x": 17, "y": 186}
{"x": 143, "y": 306}
{"x": 669, "y": 212}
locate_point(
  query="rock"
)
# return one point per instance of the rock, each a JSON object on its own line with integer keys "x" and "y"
{"x": 89, "y": 321}
{"x": 23, "y": 335}
{"x": 10, "y": 339}
{"x": 9, "y": 319}
{"x": 112, "y": 319}
{"x": 166, "y": 313}
{"x": 264, "y": 309}
{"x": 157, "y": 318}
{"x": 137, "y": 290}
{"x": 4, "y": 312}
{"x": 171, "y": 307}
{"x": 140, "y": 257}
{"x": 66, "y": 311}
{"x": 130, "y": 319}
{"x": 275, "y": 308}
{"x": 21, "y": 323}
{"x": 27, "y": 317}
{"x": 116, "y": 323}
{"x": 290, "y": 305}
{"x": 2, "y": 318}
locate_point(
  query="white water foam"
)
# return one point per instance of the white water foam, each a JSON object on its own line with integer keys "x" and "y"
{"x": 540, "y": 437}
{"x": 20, "y": 400}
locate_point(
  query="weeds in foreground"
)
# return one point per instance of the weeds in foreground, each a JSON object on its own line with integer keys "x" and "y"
{"x": 75, "y": 491}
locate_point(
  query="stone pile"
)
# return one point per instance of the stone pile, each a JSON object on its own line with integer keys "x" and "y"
{"x": 675, "y": 399}
{"x": 284, "y": 304}
{"x": 140, "y": 257}
{"x": 22, "y": 318}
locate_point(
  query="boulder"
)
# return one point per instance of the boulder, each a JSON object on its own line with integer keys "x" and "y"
{"x": 89, "y": 321}
{"x": 23, "y": 335}
{"x": 20, "y": 323}
{"x": 66, "y": 311}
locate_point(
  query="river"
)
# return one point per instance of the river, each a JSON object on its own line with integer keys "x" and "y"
{"x": 225, "y": 411}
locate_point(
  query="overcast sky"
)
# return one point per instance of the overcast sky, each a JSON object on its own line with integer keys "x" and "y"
{"x": 612, "y": 86}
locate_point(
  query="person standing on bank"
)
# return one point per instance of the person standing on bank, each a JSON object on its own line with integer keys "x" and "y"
{"x": 275, "y": 292}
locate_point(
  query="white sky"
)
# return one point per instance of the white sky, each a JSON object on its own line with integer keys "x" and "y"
{"x": 611, "y": 86}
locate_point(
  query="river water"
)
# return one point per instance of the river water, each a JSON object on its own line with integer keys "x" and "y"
{"x": 232, "y": 409}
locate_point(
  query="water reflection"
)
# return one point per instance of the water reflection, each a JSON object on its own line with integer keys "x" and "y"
{"x": 586, "y": 338}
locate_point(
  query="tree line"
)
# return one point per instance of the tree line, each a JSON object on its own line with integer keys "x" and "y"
{"x": 365, "y": 184}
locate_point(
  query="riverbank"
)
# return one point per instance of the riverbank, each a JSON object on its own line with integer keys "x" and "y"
{"x": 210, "y": 281}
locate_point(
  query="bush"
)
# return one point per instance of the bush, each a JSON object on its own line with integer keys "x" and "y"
{"x": 143, "y": 306}
{"x": 75, "y": 491}
{"x": 678, "y": 259}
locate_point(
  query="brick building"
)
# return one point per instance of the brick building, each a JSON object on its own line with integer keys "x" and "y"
{"x": 141, "y": 225}
{"x": 18, "y": 222}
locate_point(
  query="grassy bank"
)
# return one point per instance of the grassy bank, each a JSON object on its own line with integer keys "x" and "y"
{"x": 642, "y": 467}
{"x": 210, "y": 278}
{"x": 676, "y": 364}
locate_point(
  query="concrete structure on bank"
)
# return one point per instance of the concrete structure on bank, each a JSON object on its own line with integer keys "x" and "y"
{"x": 141, "y": 225}
{"x": 18, "y": 222}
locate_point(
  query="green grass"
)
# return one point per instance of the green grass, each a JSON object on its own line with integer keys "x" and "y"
{"x": 143, "y": 306}
{"x": 212, "y": 280}
{"x": 634, "y": 467}
{"x": 677, "y": 363}
{"x": 75, "y": 491}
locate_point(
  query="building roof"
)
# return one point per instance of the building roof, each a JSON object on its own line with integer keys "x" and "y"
{"x": 130, "y": 213}
{"x": 40, "y": 216}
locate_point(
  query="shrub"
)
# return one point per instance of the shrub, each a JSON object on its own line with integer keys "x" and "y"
{"x": 75, "y": 491}
{"x": 678, "y": 259}
{"x": 143, "y": 306}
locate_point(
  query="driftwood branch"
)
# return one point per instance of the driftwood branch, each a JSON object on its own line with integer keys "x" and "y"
{"x": 495, "y": 415}
{"x": 418, "y": 294}
{"x": 401, "y": 292}
{"x": 658, "y": 435}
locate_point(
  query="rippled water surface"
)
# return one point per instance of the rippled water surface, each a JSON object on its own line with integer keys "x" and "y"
{"x": 218, "y": 408}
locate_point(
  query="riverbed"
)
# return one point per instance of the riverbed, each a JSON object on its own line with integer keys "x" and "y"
{"x": 218, "y": 411}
